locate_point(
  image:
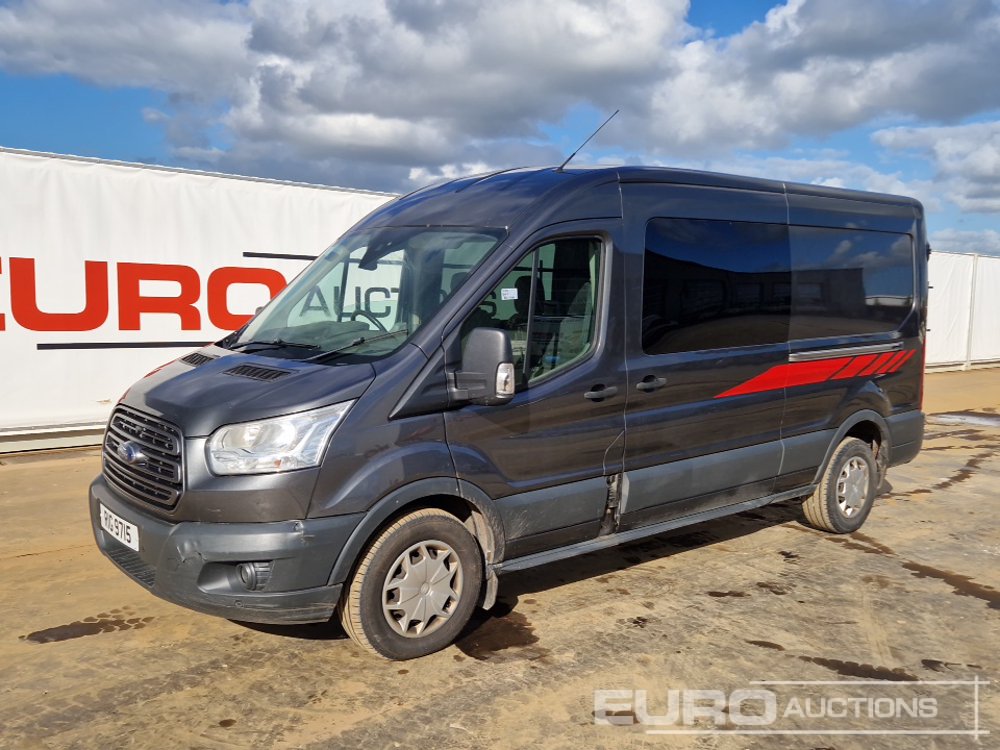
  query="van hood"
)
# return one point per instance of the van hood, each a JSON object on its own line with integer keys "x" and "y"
{"x": 206, "y": 389}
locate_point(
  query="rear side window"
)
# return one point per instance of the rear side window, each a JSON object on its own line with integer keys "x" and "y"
{"x": 714, "y": 284}
{"x": 848, "y": 282}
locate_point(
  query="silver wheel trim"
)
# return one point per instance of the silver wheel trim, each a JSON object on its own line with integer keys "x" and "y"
{"x": 852, "y": 487}
{"x": 422, "y": 589}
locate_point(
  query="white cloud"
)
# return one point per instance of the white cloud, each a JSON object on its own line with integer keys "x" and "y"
{"x": 422, "y": 176}
{"x": 966, "y": 159}
{"x": 815, "y": 67}
{"x": 983, "y": 241}
{"x": 180, "y": 46}
{"x": 386, "y": 93}
{"x": 404, "y": 84}
{"x": 425, "y": 84}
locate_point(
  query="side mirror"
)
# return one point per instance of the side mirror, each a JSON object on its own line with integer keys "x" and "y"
{"x": 487, "y": 374}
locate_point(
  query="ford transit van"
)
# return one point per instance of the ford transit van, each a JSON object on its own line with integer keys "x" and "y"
{"x": 511, "y": 369}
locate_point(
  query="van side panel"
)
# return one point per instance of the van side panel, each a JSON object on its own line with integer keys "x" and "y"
{"x": 712, "y": 265}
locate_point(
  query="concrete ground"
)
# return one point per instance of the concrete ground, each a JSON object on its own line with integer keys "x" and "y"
{"x": 90, "y": 660}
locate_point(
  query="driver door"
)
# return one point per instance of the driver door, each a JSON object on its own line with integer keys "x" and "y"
{"x": 545, "y": 457}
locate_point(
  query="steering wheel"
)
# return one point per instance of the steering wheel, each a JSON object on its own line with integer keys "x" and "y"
{"x": 369, "y": 316}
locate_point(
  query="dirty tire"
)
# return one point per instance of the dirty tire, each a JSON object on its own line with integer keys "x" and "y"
{"x": 428, "y": 551}
{"x": 846, "y": 492}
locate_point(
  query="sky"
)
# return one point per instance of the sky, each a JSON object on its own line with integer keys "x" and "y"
{"x": 898, "y": 96}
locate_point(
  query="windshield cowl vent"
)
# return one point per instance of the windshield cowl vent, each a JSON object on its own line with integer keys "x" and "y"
{"x": 257, "y": 373}
{"x": 196, "y": 358}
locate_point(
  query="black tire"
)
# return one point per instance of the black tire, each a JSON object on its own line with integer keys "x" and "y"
{"x": 846, "y": 491}
{"x": 443, "y": 565}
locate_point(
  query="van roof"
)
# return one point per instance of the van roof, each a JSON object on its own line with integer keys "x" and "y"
{"x": 499, "y": 198}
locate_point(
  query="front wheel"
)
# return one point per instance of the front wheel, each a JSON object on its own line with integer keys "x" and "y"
{"x": 846, "y": 492}
{"x": 415, "y": 588}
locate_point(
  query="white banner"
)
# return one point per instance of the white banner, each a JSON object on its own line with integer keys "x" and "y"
{"x": 948, "y": 308}
{"x": 109, "y": 270}
{"x": 964, "y": 310}
{"x": 986, "y": 310}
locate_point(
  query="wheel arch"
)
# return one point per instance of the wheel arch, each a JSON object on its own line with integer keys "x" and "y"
{"x": 867, "y": 425}
{"x": 465, "y": 501}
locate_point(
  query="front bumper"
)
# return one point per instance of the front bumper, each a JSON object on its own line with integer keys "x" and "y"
{"x": 194, "y": 564}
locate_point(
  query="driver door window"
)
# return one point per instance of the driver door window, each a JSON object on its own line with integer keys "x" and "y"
{"x": 547, "y": 303}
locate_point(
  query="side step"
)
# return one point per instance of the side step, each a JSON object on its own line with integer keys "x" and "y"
{"x": 613, "y": 540}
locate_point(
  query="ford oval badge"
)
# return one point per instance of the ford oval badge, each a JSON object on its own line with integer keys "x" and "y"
{"x": 130, "y": 453}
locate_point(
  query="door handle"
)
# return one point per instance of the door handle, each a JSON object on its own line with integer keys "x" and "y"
{"x": 650, "y": 383}
{"x": 601, "y": 392}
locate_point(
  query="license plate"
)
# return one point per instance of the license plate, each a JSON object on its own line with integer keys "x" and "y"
{"x": 125, "y": 532}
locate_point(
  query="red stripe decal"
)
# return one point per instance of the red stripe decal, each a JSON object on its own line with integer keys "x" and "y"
{"x": 856, "y": 366}
{"x": 890, "y": 366}
{"x": 786, "y": 376}
{"x": 904, "y": 360}
{"x": 807, "y": 373}
{"x": 819, "y": 371}
{"x": 871, "y": 369}
{"x": 769, "y": 380}
{"x": 836, "y": 375}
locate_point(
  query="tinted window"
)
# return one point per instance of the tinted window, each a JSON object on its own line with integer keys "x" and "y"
{"x": 551, "y": 320}
{"x": 713, "y": 285}
{"x": 848, "y": 281}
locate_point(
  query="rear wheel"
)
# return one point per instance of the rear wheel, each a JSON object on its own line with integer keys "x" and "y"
{"x": 415, "y": 588}
{"x": 846, "y": 492}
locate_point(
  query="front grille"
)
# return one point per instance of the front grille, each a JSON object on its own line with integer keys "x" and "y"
{"x": 132, "y": 564}
{"x": 156, "y": 474}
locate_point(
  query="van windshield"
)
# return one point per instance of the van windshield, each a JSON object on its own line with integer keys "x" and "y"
{"x": 368, "y": 293}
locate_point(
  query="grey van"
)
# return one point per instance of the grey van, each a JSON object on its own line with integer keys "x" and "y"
{"x": 510, "y": 369}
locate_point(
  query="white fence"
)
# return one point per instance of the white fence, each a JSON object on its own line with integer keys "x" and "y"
{"x": 108, "y": 270}
{"x": 964, "y": 310}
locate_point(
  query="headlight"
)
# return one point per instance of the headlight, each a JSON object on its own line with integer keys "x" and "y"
{"x": 295, "y": 441}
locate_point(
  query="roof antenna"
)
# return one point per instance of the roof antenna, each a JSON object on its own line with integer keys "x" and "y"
{"x": 570, "y": 158}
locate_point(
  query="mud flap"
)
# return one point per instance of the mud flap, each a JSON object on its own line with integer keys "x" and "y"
{"x": 489, "y": 596}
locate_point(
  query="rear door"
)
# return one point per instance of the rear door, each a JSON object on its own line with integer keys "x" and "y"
{"x": 546, "y": 456}
{"x": 707, "y": 322}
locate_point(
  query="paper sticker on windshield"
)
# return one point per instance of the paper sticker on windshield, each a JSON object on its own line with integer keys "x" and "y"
{"x": 508, "y": 294}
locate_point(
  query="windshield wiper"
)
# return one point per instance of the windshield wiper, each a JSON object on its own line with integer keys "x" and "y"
{"x": 273, "y": 344}
{"x": 357, "y": 342}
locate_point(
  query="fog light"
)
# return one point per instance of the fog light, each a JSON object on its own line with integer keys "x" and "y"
{"x": 254, "y": 575}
